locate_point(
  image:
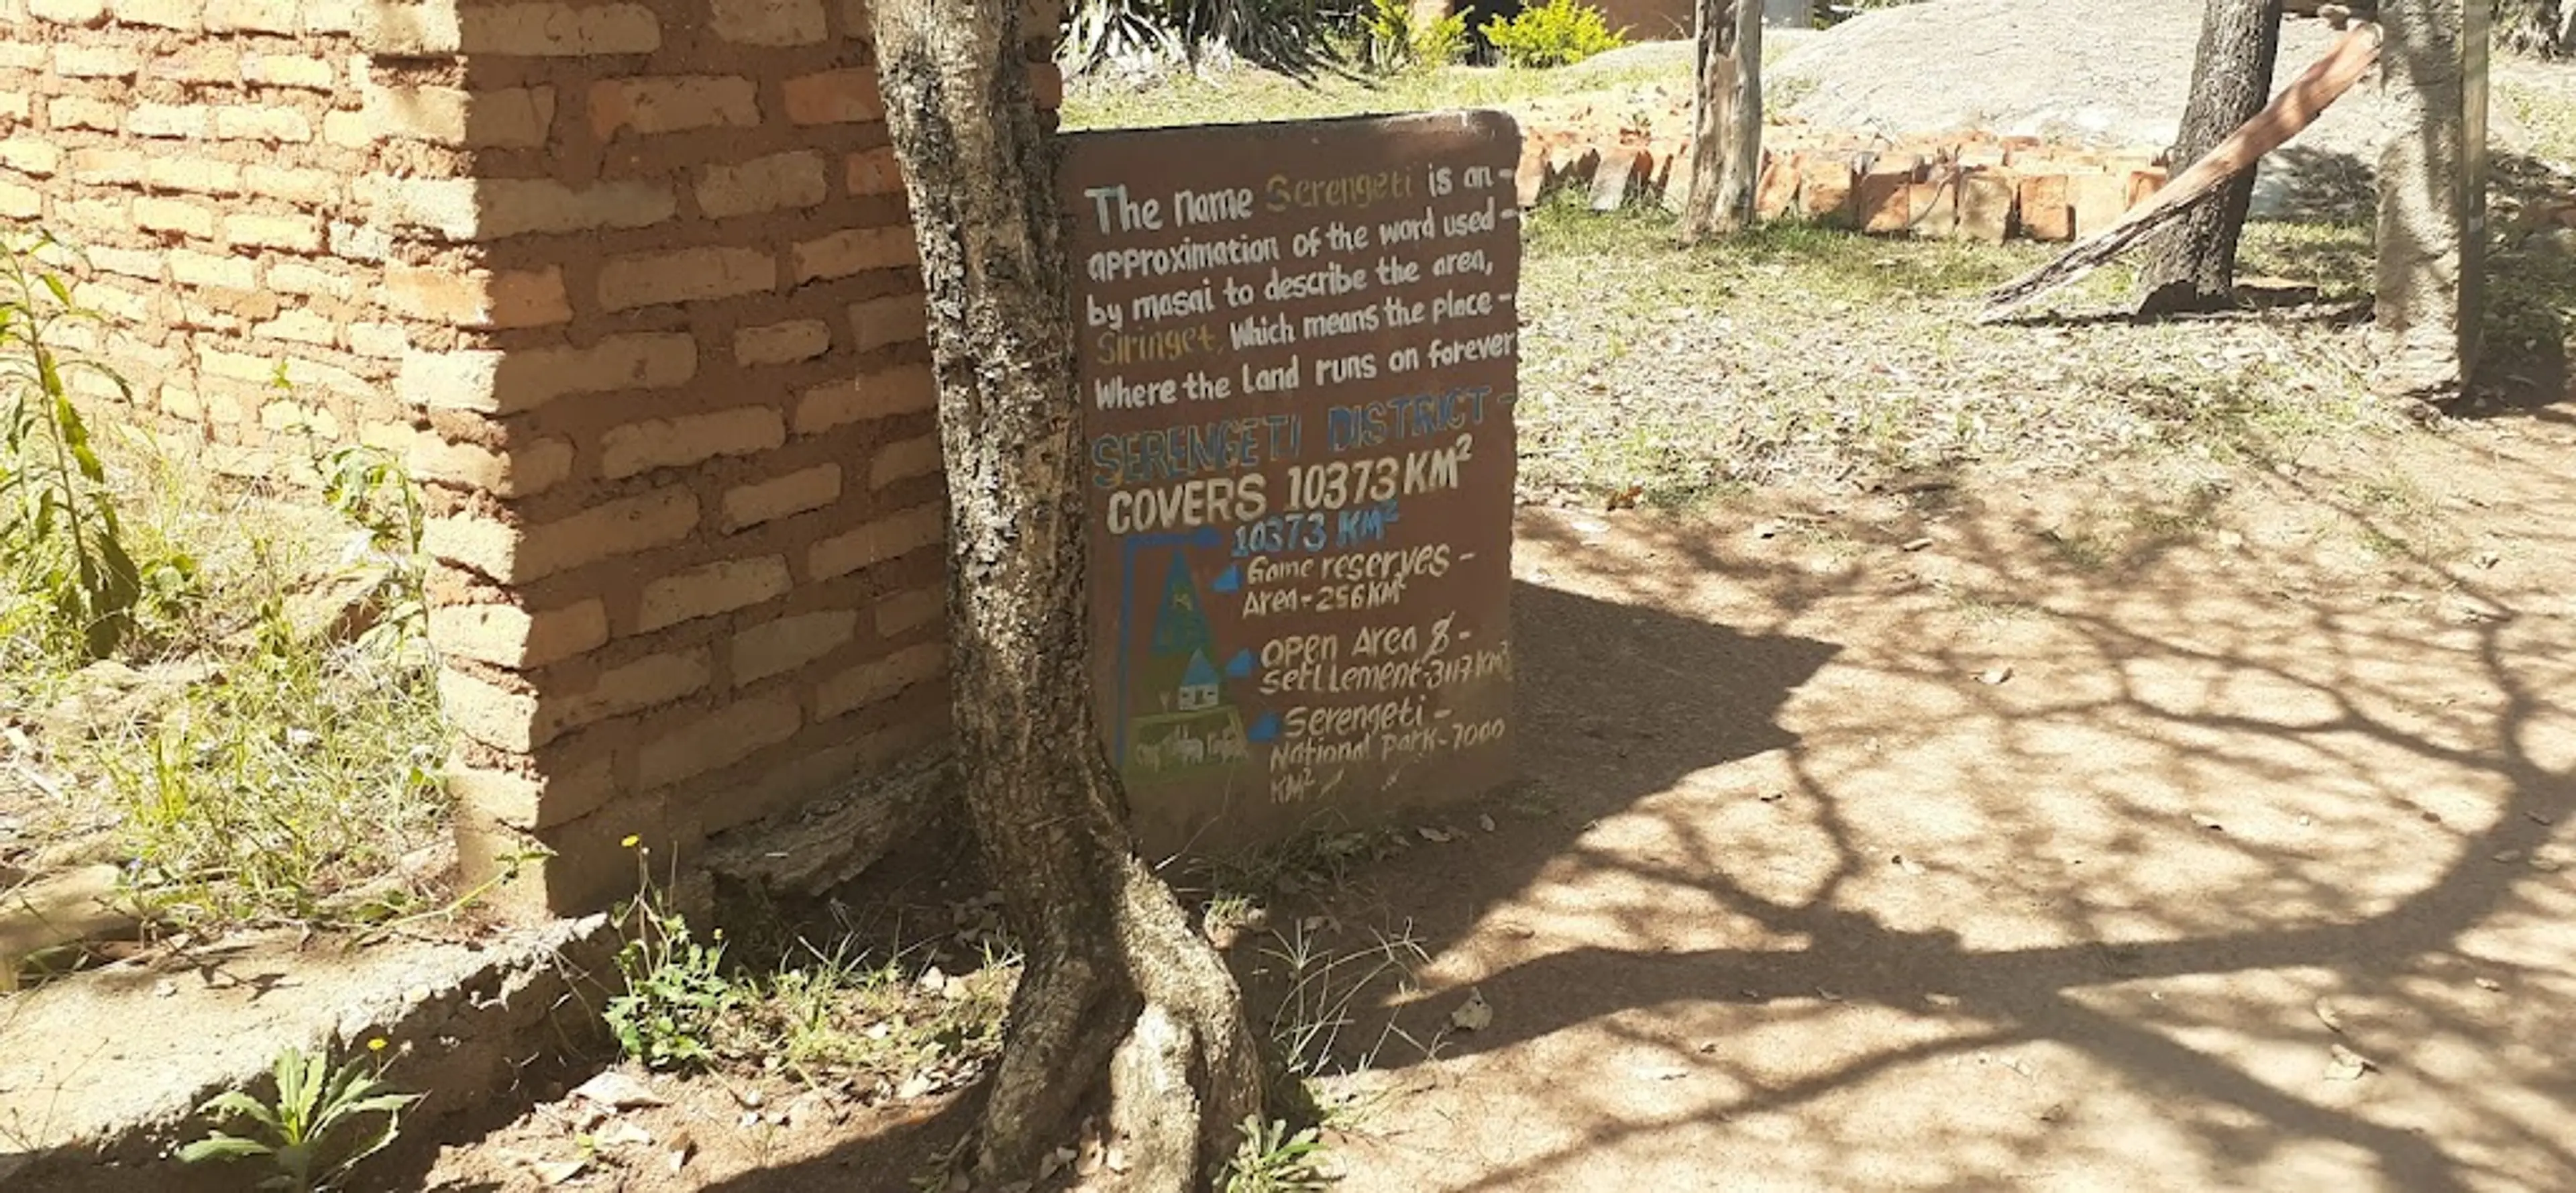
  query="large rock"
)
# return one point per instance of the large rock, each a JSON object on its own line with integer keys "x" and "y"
{"x": 2106, "y": 75}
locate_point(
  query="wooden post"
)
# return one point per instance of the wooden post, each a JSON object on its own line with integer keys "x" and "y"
{"x": 2432, "y": 195}
{"x": 1726, "y": 138}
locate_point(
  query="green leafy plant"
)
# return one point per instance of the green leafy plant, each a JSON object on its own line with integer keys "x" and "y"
{"x": 370, "y": 487}
{"x": 1396, "y": 42}
{"x": 297, "y": 1132}
{"x": 58, "y": 526}
{"x": 1272, "y": 1160}
{"x": 1556, "y": 33}
{"x": 1284, "y": 35}
{"x": 677, "y": 992}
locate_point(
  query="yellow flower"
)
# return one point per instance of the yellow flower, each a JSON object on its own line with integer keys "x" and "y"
{"x": 376, "y": 1045}
{"x": 630, "y": 840}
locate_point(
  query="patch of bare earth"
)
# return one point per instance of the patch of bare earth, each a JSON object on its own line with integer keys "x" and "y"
{"x": 2049, "y": 833}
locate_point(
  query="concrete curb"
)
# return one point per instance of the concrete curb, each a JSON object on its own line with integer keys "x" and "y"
{"x": 100, "y": 1075}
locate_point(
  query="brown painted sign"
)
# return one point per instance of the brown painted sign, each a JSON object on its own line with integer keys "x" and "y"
{"x": 1300, "y": 351}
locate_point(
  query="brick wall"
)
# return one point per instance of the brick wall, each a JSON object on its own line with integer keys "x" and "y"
{"x": 202, "y": 153}
{"x": 631, "y": 284}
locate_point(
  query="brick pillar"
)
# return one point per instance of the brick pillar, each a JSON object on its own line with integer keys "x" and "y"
{"x": 679, "y": 433}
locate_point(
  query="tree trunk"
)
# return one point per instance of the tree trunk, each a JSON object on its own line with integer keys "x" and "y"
{"x": 1119, "y": 995}
{"x": 1726, "y": 144}
{"x": 2541, "y": 28}
{"x": 2231, "y": 80}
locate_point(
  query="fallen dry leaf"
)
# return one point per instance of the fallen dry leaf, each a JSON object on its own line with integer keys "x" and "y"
{"x": 1907, "y": 864}
{"x": 617, "y": 1091}
{"x": 2326, "y": 1014}
{"x": 624, "y": 1131}
{"x": 2208, "y": 822}
{"x": 1994, "y": 676}
{"x": 1475, "y": 1014}
{"x": 2346, "y": 1065}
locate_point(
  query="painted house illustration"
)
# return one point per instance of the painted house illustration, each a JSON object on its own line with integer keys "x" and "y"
{"x": 1198, "y": 684}
{"x": 1181, "y": 724}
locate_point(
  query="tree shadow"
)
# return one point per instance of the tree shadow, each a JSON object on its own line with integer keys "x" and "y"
{"x": 1592, "y": 677}
{"x": 1768, "y": 798}
{"x": 2258, "y": 756}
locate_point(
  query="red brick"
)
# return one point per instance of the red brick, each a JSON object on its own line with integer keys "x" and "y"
{"x": 1881, "y": 201}
{"x": 479, "y": 298}
{"x": 875, "y": 172}
{"x": 648, "y": 682}
{"x": 780, "y": 180}
{"x": 654, "y": 279}
{"x": 1620, "y": 177}
{"x": 2098, "y": 200}
{"x": 1825, "y": 191}
{"x": 1986, "y": 203}
{"x": 894, "y": 319}
{"x": 2047, "y": 209}
{"x": 781, "y": 646}
{"x": 904, "y": 610}
{"x": 905, "y": 390}
{"x": 719, "y": 587}
{"x": 2144, "y": 183}
{"x": 677, "y": 442}
{"x": 1933, "y": 207}
{"x": 1530, "y": 176}
{"x": 508, "y": 636}
{"x": 797, "y": 492}
{"x": 878, "y": 541}
{"x": 854, "y": 250}
{"x": 673, "y": 104}
{"x": 904, "y": 460}
{"x": 768, "y": 22}
{"x": 782, "y": 343}
{"x": 874, "y": 681}
{"x": 834, "y": 97}
{"x": 700, "y": 743}
{"x": 1777, "y": 192}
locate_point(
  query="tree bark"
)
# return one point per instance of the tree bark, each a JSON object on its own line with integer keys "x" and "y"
{"x": 1726, "y": 140}
{"x": 1119, "y": 996}
{"x": 2541, "y": 28}
{"x": 2231, "y": 80}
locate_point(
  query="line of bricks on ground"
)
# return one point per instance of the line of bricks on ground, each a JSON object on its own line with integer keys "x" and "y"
{"x": 1890, "y": 194}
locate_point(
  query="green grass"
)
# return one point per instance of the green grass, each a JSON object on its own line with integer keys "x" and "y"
{"x": 241, "y": 765}
{"x": 1794, "y": 353}
{"x": 2547, "y": 115}
{"x": 1245, "y": 95}
{"x": 826, "y": 1016}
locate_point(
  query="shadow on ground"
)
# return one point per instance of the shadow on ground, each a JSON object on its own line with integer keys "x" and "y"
{"x": 2065, "y": 848}
{"x": 2067, "y": 926}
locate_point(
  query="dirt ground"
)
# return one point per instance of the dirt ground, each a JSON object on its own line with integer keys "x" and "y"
{"x": 2069, "y": 834}
{"x": 2021, "y": 858}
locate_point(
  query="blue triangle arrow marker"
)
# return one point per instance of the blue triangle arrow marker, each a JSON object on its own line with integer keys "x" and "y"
{"x": 1240, "y": 666}
{"x": 1229, "y": 580}
{"x": 1265, "y": 729}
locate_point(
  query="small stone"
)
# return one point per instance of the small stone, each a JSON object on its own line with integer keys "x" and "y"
{"x": 617, "y": 1091}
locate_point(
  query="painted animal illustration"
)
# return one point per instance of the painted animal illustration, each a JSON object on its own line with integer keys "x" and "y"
{"x": 1229, "y": 744}
{"x": 1192, "y": 751}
